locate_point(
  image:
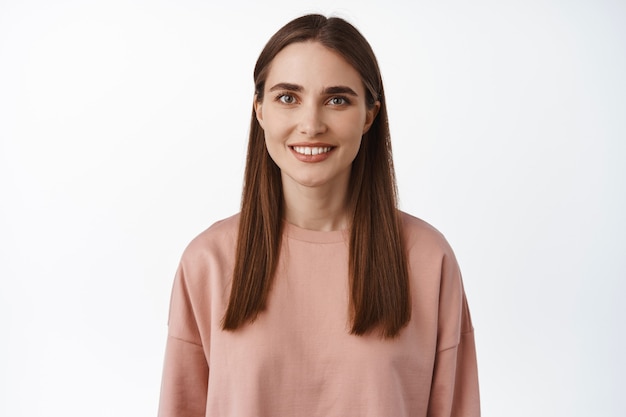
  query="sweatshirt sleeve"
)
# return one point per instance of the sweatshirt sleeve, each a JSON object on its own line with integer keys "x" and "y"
{"x": 186, "y": 370}
{"x": 454, "y": 390}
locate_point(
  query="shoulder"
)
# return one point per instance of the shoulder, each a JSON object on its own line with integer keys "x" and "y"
{"x": 423, "y": 236}
{"x": 219, "y": 238}
{"x": 433, "y": 266}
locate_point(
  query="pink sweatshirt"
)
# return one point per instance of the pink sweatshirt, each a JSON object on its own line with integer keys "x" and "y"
{"x": 298, "y": 358}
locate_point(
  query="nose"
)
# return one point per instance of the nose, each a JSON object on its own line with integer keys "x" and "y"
{"x": 311, "y": 121}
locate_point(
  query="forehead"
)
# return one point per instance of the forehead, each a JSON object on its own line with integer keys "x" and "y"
{"x": 312, "y": 65}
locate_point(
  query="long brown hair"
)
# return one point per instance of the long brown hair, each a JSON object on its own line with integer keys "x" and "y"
{"x": 378, "y": 269}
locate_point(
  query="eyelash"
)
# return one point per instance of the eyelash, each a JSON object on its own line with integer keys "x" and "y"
{"x": 345, "y": 100}
{"x": 280, "y": 98}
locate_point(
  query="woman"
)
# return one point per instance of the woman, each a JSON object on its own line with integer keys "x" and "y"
{"x": 320, "y": 298}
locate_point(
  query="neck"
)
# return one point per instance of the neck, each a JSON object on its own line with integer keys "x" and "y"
{"x": 322, "y": 208}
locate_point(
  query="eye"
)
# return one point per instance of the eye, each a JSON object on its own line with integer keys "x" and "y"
{"x": 286, "y": 99}
{"x": 338, "y": 101}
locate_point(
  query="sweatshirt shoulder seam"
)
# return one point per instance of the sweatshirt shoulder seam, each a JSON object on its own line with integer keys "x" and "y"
{"x": 185, "y": 340}
{"x": 459, "y": 342}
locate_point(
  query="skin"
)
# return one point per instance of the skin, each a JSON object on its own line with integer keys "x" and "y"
{"x": 314, "y": 101}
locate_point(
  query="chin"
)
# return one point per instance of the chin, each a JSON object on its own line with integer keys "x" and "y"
{"x": 312, "y": 183}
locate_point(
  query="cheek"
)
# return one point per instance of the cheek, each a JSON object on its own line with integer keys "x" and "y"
{"x": 275, "y": 124}
{"x": 271, "y": 148}
{"x": 351, "y": 120}
{"x": 353, "y": 127}
{"x": 274, "y": 139}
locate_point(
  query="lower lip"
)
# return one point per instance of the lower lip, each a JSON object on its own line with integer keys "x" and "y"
{"x": 311, "y": 158}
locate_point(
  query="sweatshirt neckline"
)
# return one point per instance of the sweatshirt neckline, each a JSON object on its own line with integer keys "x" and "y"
{"x": 314, "y": 236}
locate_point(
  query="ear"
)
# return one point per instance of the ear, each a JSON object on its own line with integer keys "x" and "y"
{"x": 370, "y": 116}
{"x": 258, "y": 110}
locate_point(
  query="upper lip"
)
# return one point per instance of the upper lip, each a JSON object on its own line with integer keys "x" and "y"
{"x": 312, "y": 145}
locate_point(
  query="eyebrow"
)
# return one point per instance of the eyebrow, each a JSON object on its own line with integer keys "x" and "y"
{"x": 287, "y": 86}
{"x": 338, "y": 89}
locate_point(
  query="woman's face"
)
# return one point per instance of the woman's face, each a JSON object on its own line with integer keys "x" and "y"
{"x": 313, "y": 114}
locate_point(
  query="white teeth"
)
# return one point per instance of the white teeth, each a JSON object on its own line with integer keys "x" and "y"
{"x": 311, "y": 150}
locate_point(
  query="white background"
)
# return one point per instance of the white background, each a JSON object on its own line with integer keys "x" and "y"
{"x": 123, "y": 127}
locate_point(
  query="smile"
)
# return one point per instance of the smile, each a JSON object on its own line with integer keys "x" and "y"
{"x": 311, "y": 150}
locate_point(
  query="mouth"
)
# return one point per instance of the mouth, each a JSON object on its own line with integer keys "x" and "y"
{"x": 312, "y": 150}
